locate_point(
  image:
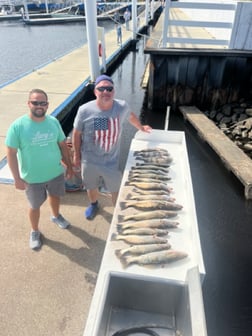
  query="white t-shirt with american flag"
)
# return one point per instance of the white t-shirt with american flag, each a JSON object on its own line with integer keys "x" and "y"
{"x": 101, "y": 131}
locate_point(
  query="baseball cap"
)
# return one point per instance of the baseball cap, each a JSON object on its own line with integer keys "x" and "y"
{"x": 102, "y": 78}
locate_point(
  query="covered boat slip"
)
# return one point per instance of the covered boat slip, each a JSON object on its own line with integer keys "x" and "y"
{"x": 164, "y": 296}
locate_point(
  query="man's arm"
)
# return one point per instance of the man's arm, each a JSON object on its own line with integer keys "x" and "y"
{"x": 13, "y": 165}
{"x": 133, "y": 119}
{"x": 76, "y": 140}
{"x": 66, "y": 158}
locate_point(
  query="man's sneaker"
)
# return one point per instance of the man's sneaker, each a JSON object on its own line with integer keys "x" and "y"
{"x": 60, "y": 221}
{"x": 92, "y": 210}
{"x": 35, "y": 240}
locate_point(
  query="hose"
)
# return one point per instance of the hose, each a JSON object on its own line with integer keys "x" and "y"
{"x": 140, "y": 329}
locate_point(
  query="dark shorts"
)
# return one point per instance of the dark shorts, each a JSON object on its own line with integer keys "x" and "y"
{"x": 37, "y": 192}
{"x": 92, "y": 174}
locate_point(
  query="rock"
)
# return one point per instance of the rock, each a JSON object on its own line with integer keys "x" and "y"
{"x": 227, "y": 110}
{"x": 248, "y": 111}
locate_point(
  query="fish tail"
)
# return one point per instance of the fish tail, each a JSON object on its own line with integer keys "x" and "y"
{"x": 118, "y": 253}
{"x": 121, "y": 218}
{"x": 114, "y": 236}
{"x": 124, "y": 261}
{"x": 123, "y": 205}
{"x": 119, "y": 227}
{"x": 128, "y": 197}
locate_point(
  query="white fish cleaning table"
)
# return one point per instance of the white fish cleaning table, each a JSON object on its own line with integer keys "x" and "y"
{"x": 114, "y": 279}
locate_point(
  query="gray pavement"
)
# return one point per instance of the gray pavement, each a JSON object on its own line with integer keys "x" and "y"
{"x": 49, "y": 292}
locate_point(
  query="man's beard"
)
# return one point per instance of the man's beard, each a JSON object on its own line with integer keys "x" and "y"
{"x": 39, "y": 114}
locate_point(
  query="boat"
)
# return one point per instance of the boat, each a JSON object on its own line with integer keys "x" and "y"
{"x": 53, "y": 19}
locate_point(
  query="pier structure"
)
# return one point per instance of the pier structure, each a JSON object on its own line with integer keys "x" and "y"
{"x": 193, "y": 71}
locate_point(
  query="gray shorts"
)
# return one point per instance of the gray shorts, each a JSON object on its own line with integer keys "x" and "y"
{"x": 92, "y": 174}
{"x": 37, "y": 192}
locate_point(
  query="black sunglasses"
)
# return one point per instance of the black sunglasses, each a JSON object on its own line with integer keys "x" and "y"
{"x": 103, "y": 88}
{"x": 37, "y": 103}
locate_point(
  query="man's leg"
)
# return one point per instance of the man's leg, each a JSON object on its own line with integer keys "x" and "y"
{"x": 57, "y": 218}
{"x": 34, "y": 215}
{"x": 92, "y": 209}
{"x": 54, "y": 202}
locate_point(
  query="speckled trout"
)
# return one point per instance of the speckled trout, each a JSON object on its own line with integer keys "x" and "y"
{"x": 149, "y": 185}
{"x": 138, "y": 240}
{"x": 161, "y": 223}
{"x": 140, "y": 197}
{"x": 159, "y": 257}
{"x": 152, "y": 192}
{"x": 141, "y": 249}
{"x": 155, "y": 176}
{"x": 157, "y": 160}
{"x": 151, "y": 151}
{"x": 151, "y": 205}
{"x": 145, "y": 232}
{"x": 158, "y": 214}
{"x": 149, "y": 169}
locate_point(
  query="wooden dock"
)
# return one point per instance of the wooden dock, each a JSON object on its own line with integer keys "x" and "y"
{"x": 231, "y": 155}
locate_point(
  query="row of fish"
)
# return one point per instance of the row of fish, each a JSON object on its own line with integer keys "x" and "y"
{"x": 146, "y": 230}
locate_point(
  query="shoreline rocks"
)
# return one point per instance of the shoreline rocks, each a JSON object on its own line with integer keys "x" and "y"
{"x": 235, "y": 120}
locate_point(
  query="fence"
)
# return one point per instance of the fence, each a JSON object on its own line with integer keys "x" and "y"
{"x": 193, "y": 39}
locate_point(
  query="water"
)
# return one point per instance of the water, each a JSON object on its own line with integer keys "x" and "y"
{"x": 24, "y": 48}
{"x": 224, "y": 216}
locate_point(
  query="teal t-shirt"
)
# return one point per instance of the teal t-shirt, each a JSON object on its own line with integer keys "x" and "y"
{"x": 39, "y": 155}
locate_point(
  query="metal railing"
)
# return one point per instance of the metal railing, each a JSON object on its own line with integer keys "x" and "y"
{"x": 187, "y": 23}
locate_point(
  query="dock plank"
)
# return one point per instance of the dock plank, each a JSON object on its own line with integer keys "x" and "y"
{"x": 232, "y": 156}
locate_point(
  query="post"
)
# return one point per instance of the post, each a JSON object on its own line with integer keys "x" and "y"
{"x": 134, "y": 18}
{"x": 166, "y": 22}
{"x": 147, "y": 12}
{"x": 152, "y": 9}
{"x": 26, "y": 12}
{"x": 241, "y": 31}
{"x": 101, "y": 38}
{"x": 167, "y": 118}
{"x": 92, "y": 38}
{"x": 46, "y": 6}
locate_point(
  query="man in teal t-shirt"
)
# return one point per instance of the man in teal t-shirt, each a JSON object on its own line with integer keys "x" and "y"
{"x": 36, "y": 149}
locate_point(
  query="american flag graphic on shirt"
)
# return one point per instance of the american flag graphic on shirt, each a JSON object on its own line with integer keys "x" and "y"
{"x": 106, "y": 132}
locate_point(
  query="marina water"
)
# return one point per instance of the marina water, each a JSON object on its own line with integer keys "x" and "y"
{"x": 224, "y": 216}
